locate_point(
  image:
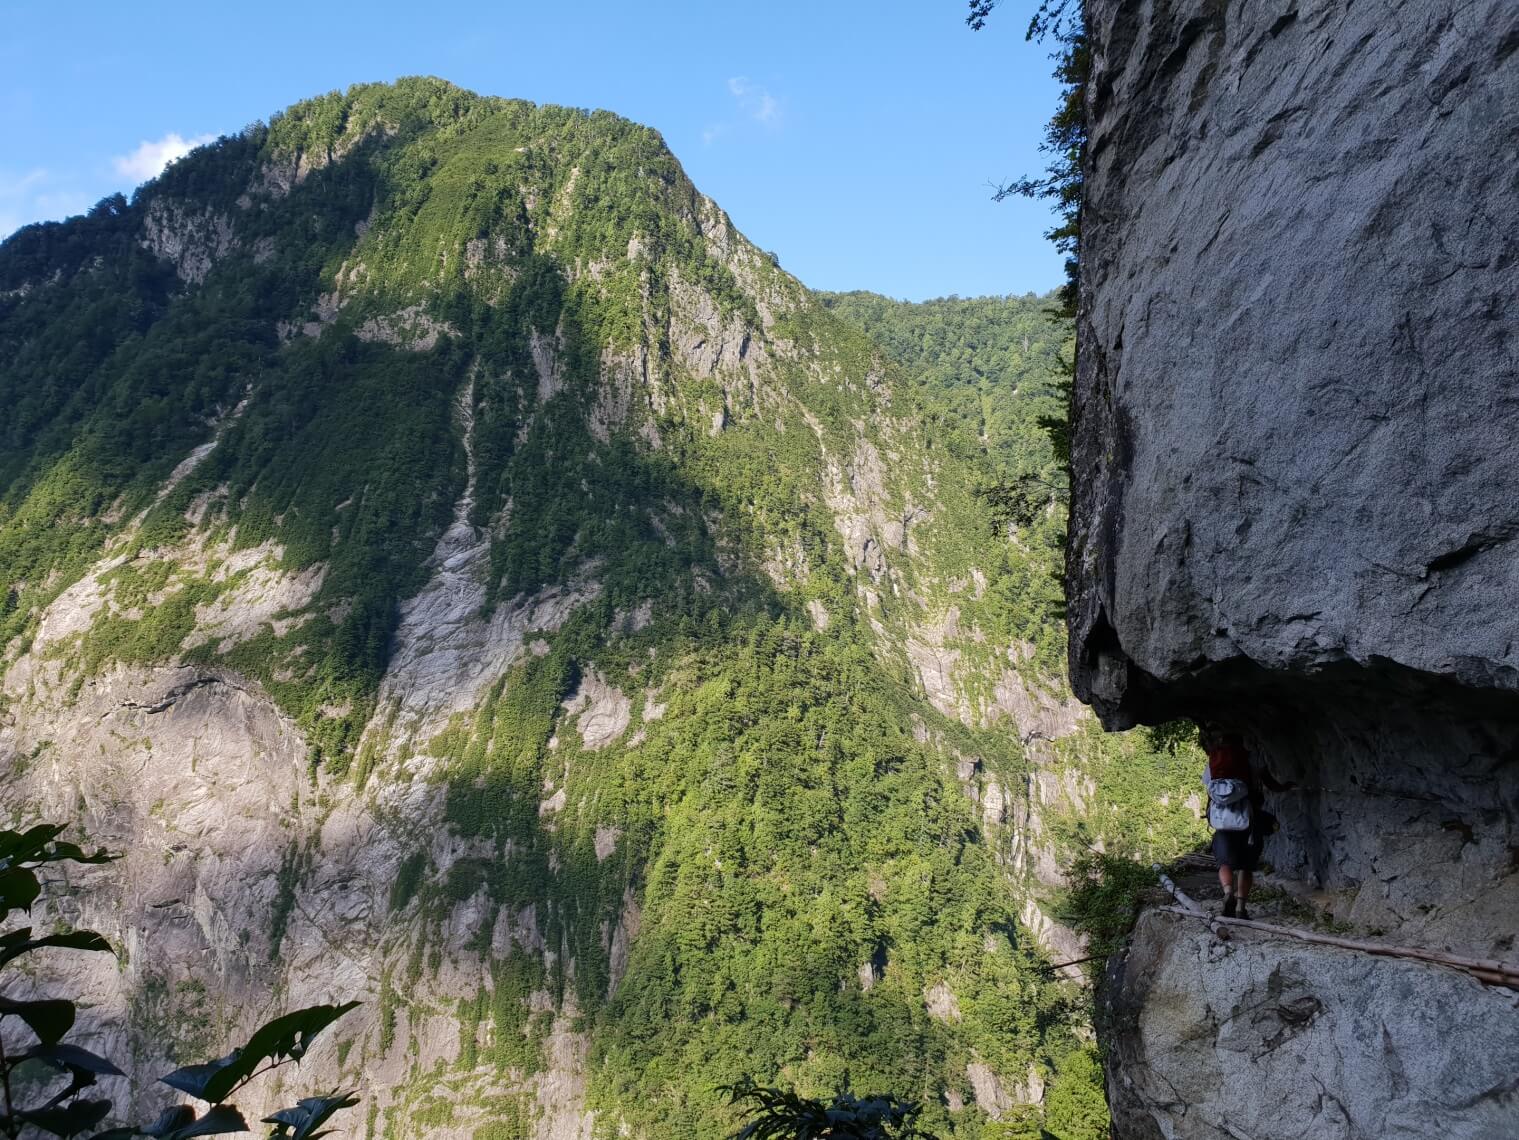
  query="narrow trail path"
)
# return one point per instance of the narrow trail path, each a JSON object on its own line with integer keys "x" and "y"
{"x": 1487, "y": 970}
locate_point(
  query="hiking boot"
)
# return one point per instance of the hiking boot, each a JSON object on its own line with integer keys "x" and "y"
{"x": 1229, "y": 904}
{"x": 1243, "y": 915}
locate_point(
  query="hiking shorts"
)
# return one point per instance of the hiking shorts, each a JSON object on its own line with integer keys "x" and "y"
{"x": 1234, "y": 849}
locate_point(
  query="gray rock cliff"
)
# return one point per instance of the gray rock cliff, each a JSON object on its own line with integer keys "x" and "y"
{"x": 1295, "y": 502}
{"x": 1262, "y": 1037}
{"x": 1295, "y": 404}
{"x": 1297, "y": 390}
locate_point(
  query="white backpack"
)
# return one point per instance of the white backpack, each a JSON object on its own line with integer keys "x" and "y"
{"x": 1228, "y": 804}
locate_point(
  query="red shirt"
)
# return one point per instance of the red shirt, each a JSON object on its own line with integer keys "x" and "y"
{"x": 1231, "y": 762}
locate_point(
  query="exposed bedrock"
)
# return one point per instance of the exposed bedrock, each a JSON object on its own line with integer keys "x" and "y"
{"x": 1296, "y": 505}
{"x": 1260, "y": 1038}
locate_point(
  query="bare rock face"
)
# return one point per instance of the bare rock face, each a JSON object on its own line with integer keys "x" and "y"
{"x": 1295, "y": 503}
{"x": 1262, "y": 1037}
{"x": 1297, "y": 391}
{"x": 1295, "y": 511}
{"x": 194, "y": 240}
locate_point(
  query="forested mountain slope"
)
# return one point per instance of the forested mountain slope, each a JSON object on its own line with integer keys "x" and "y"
{"x": 463, "y": 574}
{"x": 991, "y": 366}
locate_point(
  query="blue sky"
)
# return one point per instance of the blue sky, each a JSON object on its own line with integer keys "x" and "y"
{"x": 855, "y": 140}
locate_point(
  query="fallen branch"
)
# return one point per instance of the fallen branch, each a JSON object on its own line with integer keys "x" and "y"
{"x": 1488, "y": 970}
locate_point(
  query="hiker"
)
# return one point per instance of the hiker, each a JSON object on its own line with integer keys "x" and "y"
{"x": 1237, "y": 813}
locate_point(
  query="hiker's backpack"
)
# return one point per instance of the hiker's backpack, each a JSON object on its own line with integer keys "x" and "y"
{"x": 1228, "y": 804}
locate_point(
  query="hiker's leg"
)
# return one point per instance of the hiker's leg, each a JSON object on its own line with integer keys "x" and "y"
{"x": 1226, "y": 880}
{"x": 1245, "y": 879}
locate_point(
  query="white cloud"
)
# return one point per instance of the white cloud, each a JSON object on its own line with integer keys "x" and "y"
{"x": 755, "y": 101}
{"x": 149, "y": 159}
{"x": 711, "y": 134}
{"x": 18, "y": 198}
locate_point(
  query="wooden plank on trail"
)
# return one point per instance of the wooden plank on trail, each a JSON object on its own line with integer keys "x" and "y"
{"x": 1190, "y": 905}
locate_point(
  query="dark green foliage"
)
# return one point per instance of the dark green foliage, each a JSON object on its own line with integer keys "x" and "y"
{"x": 407, "y": 879}
{"x": 1065, "y": 141}
{"x": 341, "y": 452}
{"x": 65, "y": 1071}
{"x": 1144, "y": 778}
{"x": 1064, "y": 23}
{"x": 180, "y": 1123}
{"x": 49, "y": 1020}
{"x": 991, "y": 375}
{"x": 778, "y": 1115}
{"x": 284, "y": 1038}
{"x": 1103, "y": 900}
{"x": 1074, "y": 1105}
{"x": 309, "y": 1114}
{"x": 21, "y": 854}
{"x": 293, "y": 865}
{"x": 796, "y": 831}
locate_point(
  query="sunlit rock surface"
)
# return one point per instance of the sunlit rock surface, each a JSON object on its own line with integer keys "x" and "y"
{"x": 1264, "y": 1037}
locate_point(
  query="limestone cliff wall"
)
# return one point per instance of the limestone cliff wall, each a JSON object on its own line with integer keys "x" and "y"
{"x": 1298, "y": 395}
{"x": 1295, "y": 502}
